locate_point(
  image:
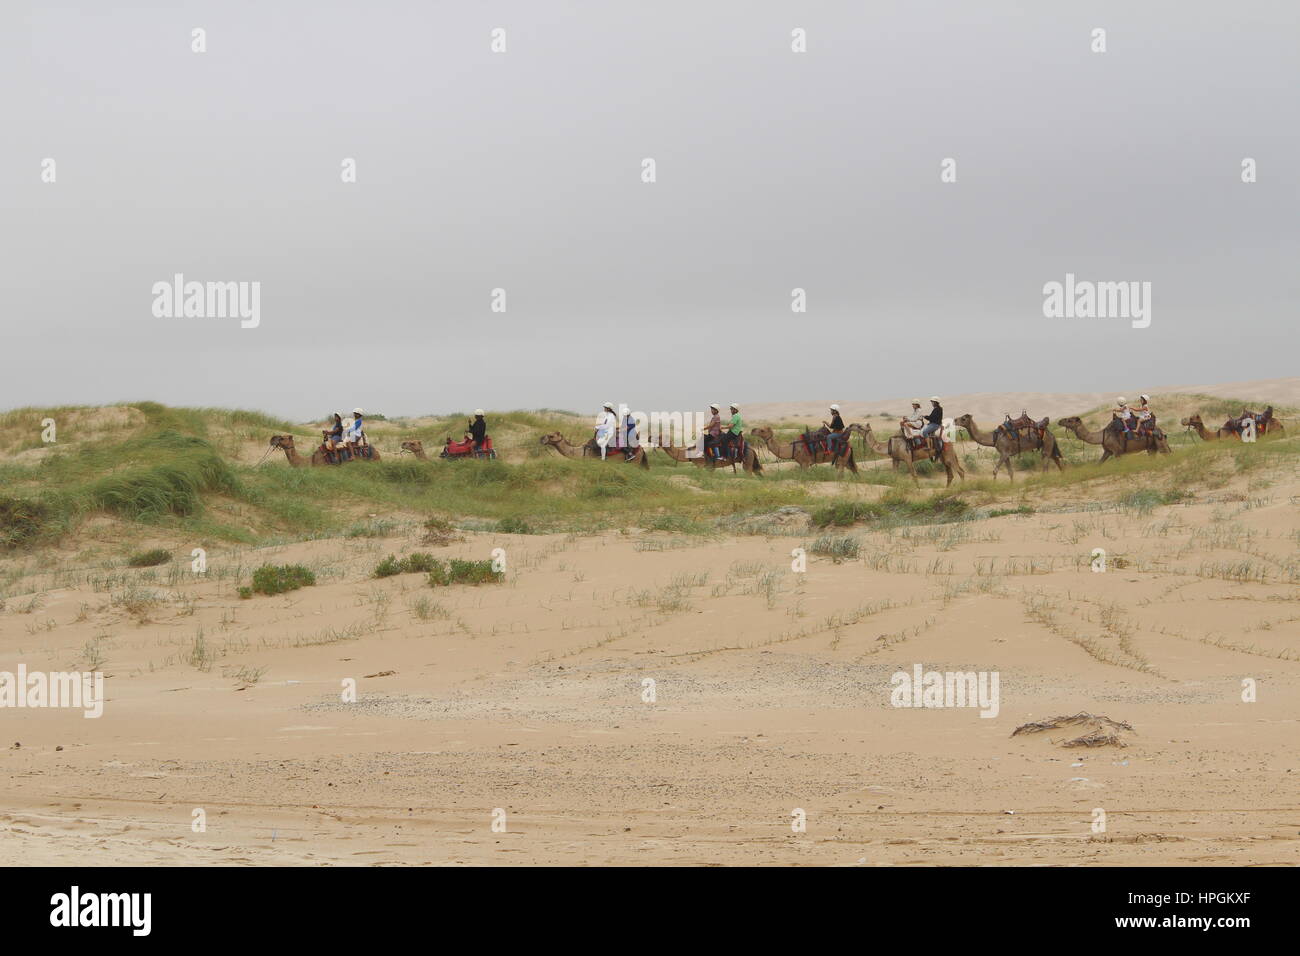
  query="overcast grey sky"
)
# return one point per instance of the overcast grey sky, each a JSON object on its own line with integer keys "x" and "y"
{"x": 775, "y": 170}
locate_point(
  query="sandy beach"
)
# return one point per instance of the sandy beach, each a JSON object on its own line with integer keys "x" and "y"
{"x": 527, "y": 703}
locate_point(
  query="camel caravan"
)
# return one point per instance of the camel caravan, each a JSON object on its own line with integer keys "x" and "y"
{"x": 922, "y": 436}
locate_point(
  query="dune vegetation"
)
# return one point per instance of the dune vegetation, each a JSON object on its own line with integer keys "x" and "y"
{"x": 206, "y": 476}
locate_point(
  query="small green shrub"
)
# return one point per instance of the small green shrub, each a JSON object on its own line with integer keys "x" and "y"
{"x": 278, "y": 578}
{"x": 457, "y": 571}
{"x": 1022, "y": 510}
{"x": 514, "y": 526}
{"x": 837, "y": 547}
{"x": 419, "y": 561}
{"x": 416, "y": 561}
{"x": 440, "y": 531}
{"x": 147, "y": 559}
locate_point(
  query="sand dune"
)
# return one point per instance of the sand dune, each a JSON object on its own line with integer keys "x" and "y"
{"x": 772, "y": 696}
{"x": 993, "y": 405}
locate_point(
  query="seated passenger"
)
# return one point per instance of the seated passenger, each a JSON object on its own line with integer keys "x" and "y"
{"x": 834, "y": 430}
{"x": 1123, "y": 414}
{"x": 934, "y": 420}
{"x": 913, "y": 424}
{"x": 334, "y": 437}
{"x": 1146, "y": 419}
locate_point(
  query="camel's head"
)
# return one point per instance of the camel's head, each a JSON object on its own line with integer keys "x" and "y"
{"x": 1071, "y": 421}
{"x": 413, "y": 445}
{"x": 761, "y": 432}
{"x": 1193, "y": 420}
{"x": 553, "y": 439}
{"x": 965, "y": 421}
{"x": 859, "y": 429}
{"x": 282, "y": 441}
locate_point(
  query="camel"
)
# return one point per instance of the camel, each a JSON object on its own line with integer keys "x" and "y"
{"x": 1010, "y": 444}
{"x": 1113, "y": 441}
{"x": 1195, "y": 423}
{"x": 750, "y": 463}
{"x": 799, "y": 452}
{"x": 416, "y": 448}
{"x": 592, "y": 450}
{"x": 285, "y": 442}
{"x": 899, "y": 449}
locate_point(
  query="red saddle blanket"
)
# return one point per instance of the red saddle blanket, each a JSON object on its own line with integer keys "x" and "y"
{"x": 466, "y": 447}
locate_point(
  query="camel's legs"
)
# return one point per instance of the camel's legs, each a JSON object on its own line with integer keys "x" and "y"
{"x": 1104, "y": 455}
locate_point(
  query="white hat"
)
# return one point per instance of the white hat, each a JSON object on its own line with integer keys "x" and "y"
{"x": 713, "y": 406}
{"x": 1121, "y": 400}
{"x": 357, "y": 411}
{"x": 835, "y": 408}
{"x": 610, "y": 406}
{"x": 916, "y": 401}
{"x": 934, "y": 398}
{"x": 478, "y": 411}
{"x": 1145, "y": 398}
{"x": 735, "y": 406}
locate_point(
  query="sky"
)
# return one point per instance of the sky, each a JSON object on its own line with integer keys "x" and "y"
{"x": 522, "y": 170}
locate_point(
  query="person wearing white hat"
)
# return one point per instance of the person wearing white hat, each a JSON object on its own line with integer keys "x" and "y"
{"x": 731, "y": 437}
{"x": 834, "y": 431}
{"x": 1122, "y": 412}
{"x": 355, "y": 435}
{"x": 478, "y": 430}
{"x": 934, "y": 419}
{"x": 606, "y": 425}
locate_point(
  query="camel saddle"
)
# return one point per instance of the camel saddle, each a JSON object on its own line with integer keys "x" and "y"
{"x": 1261, "y": 419}
{"x": 933, "y": 443}
{"x": 1024, "y": 424}
{"x": 346, "y": 453}
{"x": 820, "y": 441}
{"x": 465, "y": 447}
{"x": 718, "y": 451}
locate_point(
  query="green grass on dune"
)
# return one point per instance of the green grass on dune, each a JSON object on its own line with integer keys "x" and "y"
{"x": 167, "y": 469}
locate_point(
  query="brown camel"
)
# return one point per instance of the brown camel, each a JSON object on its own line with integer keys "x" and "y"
{"x": 285, "y": 442}
{"x": 1012, "y": 443}
{"x": 798, "y": 451}
{"x": 1271, "y": 426}
{"x": 900, "y": 449}
{"x": 592, "y": 450}
{"x": 750, "y": 463}
{"x": 1113, "y": 440}
{"x": 416, "y": 448}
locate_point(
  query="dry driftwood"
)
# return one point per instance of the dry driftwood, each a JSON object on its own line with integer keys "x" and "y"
{"x": 1100, "y": 731}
